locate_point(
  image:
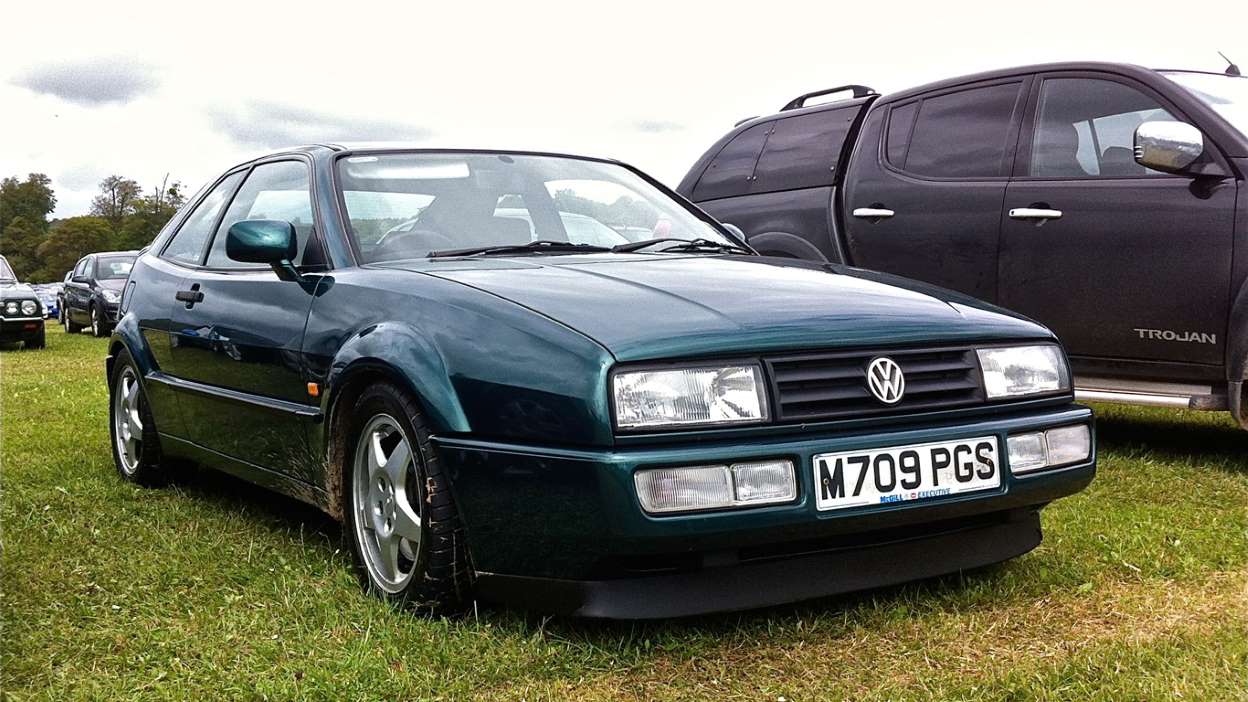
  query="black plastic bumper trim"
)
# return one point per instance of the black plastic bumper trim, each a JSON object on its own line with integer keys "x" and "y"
{"x": 764, "y": 584}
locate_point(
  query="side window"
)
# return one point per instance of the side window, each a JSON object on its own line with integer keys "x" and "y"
{"x": 963, "y": 134}
{"x": 188, "y": 242}
{"x": 278, "y": 190}
{"x": 802, "y": 151}
{"x": 1086, "y": 127}
{"x": 81, "y": 268}
{"x": 900, "y": 120}
{"x": 730, "y": 170}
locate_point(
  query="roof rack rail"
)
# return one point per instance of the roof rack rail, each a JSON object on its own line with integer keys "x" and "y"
{"x": 800, "y": 100}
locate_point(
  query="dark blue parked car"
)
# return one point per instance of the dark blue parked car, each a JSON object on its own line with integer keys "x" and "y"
{"x": 419, "y": 344}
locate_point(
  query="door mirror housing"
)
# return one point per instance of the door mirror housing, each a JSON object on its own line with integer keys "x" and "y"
{"x": 1169, "y": 147}
{"x": 268, "y": 241}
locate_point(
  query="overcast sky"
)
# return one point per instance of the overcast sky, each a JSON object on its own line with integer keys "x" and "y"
{"x": 141, "y": 90}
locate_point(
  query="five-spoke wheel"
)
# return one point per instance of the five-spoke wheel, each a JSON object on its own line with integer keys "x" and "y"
{"x": 387, "y": 522}
{"x": 402, "y": 526}
{"x": 127, "y": 422}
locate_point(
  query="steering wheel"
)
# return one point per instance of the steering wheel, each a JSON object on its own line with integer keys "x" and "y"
{"x": 413, "y": 244}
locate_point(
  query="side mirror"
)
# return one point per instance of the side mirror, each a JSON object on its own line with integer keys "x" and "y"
{"x": 80, "y": 279}
{"x": 1169, "y": 147}
{"x": 261, "y": 241}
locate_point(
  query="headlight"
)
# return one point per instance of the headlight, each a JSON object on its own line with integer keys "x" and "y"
{"x": 1023, "y": 370}
{"x": 708, "y": 395}
{"x": 30, "y": 307}
{"x": 111, "y": 295}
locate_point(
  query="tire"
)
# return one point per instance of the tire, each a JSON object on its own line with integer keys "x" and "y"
{"x": 99, "y": 328}
{"x": 38, "y": 341}
{"x": 401, "y": 524}
{"x": 131, "y": 428}
{"x": 70, "y": 326}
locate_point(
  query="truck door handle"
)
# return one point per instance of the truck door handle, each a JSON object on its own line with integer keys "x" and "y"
{"x": 190, "y": 297}
{"x": 1034, "y": 213}
{"x": 873, "y": 213}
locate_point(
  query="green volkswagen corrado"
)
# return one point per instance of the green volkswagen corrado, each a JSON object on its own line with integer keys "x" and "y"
{"x": 501, "y": 402}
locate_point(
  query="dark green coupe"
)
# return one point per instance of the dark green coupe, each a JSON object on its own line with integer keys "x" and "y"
{"x": 503, "y": 400}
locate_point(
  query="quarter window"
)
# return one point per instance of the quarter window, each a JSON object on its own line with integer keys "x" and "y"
{"x": 963, "y": 134}
{"x": 1086, "y": 128}
{"x": 279, "y": 191}
{"x": 188, "y": 242}
{"x": 900, "y": 120}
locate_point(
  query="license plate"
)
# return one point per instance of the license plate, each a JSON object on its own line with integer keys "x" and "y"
{"x": 906, "y": 473}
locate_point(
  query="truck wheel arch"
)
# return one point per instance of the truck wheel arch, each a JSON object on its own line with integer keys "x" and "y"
{"x": 786, "y": 245}
{"x": 1237, "y": 355}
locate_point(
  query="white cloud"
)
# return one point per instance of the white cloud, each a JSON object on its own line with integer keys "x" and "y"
{"x": 651, "y": 83}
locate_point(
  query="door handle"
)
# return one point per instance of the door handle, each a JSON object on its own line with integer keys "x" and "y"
{"x": 1034, "y": 213}
{"x": 873, "y": 213}
{"x": 190, "y": 297}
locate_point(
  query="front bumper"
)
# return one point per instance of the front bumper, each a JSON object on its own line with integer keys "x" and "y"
{"x": 20, "y": 328}
{"x": 110, "y": 311}
{"x": 562, "y": 529}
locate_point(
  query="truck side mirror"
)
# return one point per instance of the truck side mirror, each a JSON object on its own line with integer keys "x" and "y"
{"x": 1169, "y": 147}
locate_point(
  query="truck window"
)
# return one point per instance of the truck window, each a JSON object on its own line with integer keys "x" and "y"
{"x": 963, "y": 134}
{"x": 1086, "y": 128}
{"x": 802, "y": 151}
{"x": 730, "y": 171}
{"x": 900, "y": 120}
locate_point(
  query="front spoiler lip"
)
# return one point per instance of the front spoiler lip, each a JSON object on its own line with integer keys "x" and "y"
{"x": 770, "y": 583}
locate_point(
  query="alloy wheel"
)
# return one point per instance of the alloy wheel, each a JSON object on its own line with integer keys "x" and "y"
{"x": 127, "y": 421}
{"x": 385, "y": 497}
{"x": 95, "y": 321}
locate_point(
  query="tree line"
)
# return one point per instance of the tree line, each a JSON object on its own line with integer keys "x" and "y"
{"x": 123, "y": 217}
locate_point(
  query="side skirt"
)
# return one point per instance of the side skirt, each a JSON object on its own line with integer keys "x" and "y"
{"x": 265, "y": 478}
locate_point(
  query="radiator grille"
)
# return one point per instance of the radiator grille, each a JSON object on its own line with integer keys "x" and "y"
{"x": 834, "y": 385}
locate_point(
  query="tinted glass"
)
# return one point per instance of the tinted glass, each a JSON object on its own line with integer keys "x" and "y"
{"x": 900, "y": 120}
{"x": 1086, "y": 127}
{"x": 189, "y": 241}
{"x": 963, "y": 134}
{"x": 729, "y": 172}
{"x": 803, "y": 150}
{"x": 407, "y": 205}
{"x": 113, "y": 267}
{"x": 278, "y": 191}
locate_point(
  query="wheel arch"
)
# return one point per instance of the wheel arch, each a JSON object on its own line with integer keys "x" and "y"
{"x": 1237, "y": 354}
{"x": 786, "y": 244}
{"x": 391, "y": 353}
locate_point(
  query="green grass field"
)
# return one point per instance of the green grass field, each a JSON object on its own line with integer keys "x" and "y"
{"x": 213, "y": 589}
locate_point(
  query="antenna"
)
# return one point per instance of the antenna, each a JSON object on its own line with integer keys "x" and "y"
{"x": 1231, "y": 69}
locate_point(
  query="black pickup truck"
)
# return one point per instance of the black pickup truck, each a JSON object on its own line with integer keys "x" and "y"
{"x": 1107, "y": 201}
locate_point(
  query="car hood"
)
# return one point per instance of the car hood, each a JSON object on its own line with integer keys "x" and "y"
{"x": 650, "y": 306}
{"x": 112, "y": 283}
{"x": 10, "y": 290}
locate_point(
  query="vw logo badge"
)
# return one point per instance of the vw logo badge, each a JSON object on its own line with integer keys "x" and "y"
{"x": 885, "y": 380}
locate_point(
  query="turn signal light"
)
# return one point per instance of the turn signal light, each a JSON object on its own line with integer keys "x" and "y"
{"x": 1049, "y": 449}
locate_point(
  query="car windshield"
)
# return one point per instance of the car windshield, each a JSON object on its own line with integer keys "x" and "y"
{"x": 6, "y": 273}
{"x": 113, "y": 267}
{"x": 409, "y": 205}
{"x": 1228, "y": 95}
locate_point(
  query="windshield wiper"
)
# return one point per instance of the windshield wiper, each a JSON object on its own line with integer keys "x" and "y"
{"x": 683, "y": 245}
{"x": 539, "y": 246}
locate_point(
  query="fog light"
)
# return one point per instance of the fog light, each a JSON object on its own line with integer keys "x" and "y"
{"x": 767, "y": 481}
{"x": 1027, "y": 452}
{"x": 664, "y": 490}
{"x": 681, "y": 489}
{"x": 1069, "y": 444}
